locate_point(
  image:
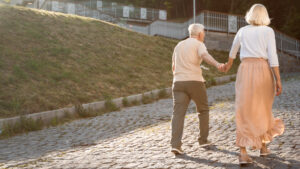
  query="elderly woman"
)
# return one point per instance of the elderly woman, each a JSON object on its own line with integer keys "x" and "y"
{"x": 255, "y": 85}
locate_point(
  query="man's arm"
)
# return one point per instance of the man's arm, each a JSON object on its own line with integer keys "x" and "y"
{"x": 211, "y": 61}
{"x": 203, "y": 53}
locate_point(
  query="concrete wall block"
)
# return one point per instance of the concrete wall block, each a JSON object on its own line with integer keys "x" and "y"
{"x": 133, "y": 98}
{"x": 151, "y": 94}
{"x": 46, "y": 116}
{"x": 94, "y": 106}
{"x": 118, "y": 102}
{"x": 224, "y": 79}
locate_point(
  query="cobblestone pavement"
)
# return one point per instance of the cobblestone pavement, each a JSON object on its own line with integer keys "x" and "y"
{"x": 138, "y": 137}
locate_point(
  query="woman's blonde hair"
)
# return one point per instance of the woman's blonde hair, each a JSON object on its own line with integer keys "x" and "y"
{"x": 258, "y": 15}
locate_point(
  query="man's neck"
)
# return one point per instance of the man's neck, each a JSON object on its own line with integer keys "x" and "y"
{"x": 195, "y": 37}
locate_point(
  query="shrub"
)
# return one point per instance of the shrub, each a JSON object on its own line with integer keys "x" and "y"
{"x": 23, "y": 125}
{"x": 232, "y": 78}
{"x": 134, "y": 102}
{"x": 211, "y": 82}
{"x": 110, "y": 105}
{"x": 54, "y": 121}
{"x": 146, "y": 99}
{"x": 84, "y": 113}
{"x": 162, "y": 94}
{"x": 125, "y": 101}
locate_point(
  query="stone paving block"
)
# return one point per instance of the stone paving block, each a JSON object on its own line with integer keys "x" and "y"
{"x": 138, "y": 137}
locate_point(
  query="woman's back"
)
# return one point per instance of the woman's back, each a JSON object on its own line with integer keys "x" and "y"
{"x": 257, "y": 42}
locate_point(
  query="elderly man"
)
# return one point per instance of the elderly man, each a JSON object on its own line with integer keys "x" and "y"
{"x": 188, "y": 84}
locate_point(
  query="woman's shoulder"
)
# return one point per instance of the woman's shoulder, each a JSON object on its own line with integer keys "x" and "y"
{"x": 263, "y": 28}
{"x": 257, "y": 27}
{"x": 243, "y": 28}
{"x": 267, "y": 28}
{"x": 268, "y": 31}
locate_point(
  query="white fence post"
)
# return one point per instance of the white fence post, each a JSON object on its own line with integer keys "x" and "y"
{"x": 207, "y": 21}
{"x": 126, "y": 12}
{"x": 143, "y": 13}
{"x": 152, "y": 14}
{"x": 232, "y": 24}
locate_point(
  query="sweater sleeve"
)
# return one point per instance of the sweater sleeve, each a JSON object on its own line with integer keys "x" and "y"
{"x": 235, "y": 45}
{"x": 271, "y": 49}
{"x": 210, "y": 60}
{"x": 203, "y": 53}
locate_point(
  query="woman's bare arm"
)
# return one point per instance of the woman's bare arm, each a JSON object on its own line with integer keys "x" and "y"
{"x": 228, "y": 64}
{"x": 278, "y": 80}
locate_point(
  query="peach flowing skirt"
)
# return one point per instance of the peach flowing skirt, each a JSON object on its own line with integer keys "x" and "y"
{"x": 255, "y": 92}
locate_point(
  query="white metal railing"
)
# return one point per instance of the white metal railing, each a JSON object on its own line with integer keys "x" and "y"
{"x": 213, "y": 21}
{"x": 100, "y": 6}
{"x": 295, "y": 53}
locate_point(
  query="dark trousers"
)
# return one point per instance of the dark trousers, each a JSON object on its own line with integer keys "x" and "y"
{"x": 183, "y": 92}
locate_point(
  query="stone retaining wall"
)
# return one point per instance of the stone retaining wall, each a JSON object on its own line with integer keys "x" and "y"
{"x": 47, "y": 116}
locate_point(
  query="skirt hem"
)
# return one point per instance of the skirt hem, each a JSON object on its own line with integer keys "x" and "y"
{"x": 256, "y": 142}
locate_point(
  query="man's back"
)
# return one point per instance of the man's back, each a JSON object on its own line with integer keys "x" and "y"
{"x": 187, "y": 60}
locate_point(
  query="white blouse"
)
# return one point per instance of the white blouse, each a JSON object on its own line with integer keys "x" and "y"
{"x": 257, "y": 42}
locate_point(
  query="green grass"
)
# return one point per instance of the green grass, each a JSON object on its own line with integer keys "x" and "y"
{"x": 21, "y": 126}
{"x": 51, "y": 60}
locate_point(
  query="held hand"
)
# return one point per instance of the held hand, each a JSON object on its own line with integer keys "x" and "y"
{"x": 227, "y": 67}
{"x": 221, "y": 67}
{"x": 278, "y": 88}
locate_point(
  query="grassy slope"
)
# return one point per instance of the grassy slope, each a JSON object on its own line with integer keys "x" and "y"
{"x": 50, "y": 60}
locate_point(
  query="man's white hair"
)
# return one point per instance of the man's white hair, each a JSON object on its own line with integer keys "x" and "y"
{"x": 195, "y": 29}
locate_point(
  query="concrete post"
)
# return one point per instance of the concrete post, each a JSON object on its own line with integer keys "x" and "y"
{"x": 194, "y": 3}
